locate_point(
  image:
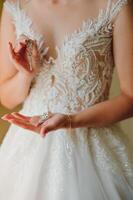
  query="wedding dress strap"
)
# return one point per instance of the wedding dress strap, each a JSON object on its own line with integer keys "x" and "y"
{"x": 20, "y": 20}
{"x": 116, "y": 7}
{"x": 12, "y": 7}
{"x": 14, "y": 11}
{"x": 23, "y": 23}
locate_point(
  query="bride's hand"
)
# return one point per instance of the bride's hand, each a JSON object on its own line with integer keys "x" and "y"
{"x": 56, "y": 121}
{"x": 20, "y": 59}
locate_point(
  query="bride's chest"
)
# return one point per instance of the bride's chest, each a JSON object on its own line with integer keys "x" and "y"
{"x": 91, "y": 37}
{"x": 55, "y": 22}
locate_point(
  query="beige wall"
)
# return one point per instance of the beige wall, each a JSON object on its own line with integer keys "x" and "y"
{"x": 127, "y": 125}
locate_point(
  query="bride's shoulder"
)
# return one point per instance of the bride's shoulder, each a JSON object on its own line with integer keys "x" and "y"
{"x": 105, "y": 2}
{"x": 16, "y": 1}
{"x": 115, "y": 1}
{"x": 11, "y": 1}
{"x": 122, "y": 13}
{"x": 11, "y": 7}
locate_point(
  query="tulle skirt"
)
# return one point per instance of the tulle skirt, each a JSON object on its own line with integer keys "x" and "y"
{"x": 84, "y": 164}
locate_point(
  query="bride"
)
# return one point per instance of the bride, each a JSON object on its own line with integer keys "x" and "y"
{"x": 57, "y": 57}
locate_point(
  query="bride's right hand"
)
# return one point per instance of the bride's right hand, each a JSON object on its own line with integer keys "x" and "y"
{"x": 20, "y": 60}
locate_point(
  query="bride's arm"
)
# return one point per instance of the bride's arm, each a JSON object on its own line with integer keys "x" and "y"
{"x": 14, "y": 84}
{"x": 107, "y": 112}
{"x": 120, "y": 107}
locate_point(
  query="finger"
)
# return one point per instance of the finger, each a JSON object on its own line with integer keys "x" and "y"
{"x": 23, "y": 39}
{"x": 22, "y": 50}
{"x": 18, "y": 45}
{"x": 17, "y": 116}
{"x": 20, "y": 116}
{"x": 24, "y": 120}
{"x": 11, "y": 51}
{"x": 42, "y": 122}
{"x": 16, "y": 54}
{"x": 23, "y": 45}
{"x": 35, "y": 52}
{"x": 14, "y": 57}
{"x": 25, "y": 126}
{"x": 46, "y": 121}
{"x": 34, "y": 120}
{"x": 45, "y": 129}
{"x": 6, "y": 116}
{"x": 10, "y": 117}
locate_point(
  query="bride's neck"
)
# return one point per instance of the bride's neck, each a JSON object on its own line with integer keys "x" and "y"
{"x": 59, "y": 1}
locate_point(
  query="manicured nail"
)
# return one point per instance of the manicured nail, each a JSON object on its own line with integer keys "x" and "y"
{"x": 3, "y": 118}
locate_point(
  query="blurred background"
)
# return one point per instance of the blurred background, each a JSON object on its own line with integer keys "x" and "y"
{"x": 127, "y": 125}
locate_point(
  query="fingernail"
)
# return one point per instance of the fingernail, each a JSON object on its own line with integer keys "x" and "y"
{"x": 3, "y": 118}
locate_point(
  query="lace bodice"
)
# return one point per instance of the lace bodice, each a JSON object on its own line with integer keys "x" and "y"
{"x": 81, "y": 75}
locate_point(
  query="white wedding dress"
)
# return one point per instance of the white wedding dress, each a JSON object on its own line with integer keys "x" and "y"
{"x": 86, "y": 163}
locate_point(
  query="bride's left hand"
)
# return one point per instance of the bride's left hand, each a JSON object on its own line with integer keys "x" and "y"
{"x": 56, "y": 121}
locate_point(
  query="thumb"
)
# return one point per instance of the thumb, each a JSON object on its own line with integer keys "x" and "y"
{"x": 13, "y": 56}
{"x": 45, "y": 129}
{"x": 34, "y": 120}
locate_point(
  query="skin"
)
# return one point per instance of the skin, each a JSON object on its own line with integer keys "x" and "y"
{"x": 15, "y": 73}
{"x": 56, "y": 121}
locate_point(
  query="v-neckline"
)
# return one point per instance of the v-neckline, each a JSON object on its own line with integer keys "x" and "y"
{"x": 68, "y": 36}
